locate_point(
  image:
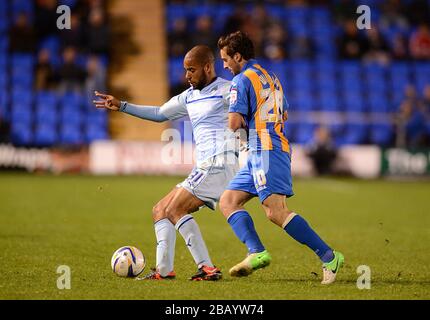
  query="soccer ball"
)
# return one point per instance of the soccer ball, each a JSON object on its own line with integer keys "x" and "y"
{"x": 128, "y": 262}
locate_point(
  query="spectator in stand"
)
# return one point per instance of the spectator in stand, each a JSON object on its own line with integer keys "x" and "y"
{"x": 411, "y": 130}
{"x": 204, "y": 33}
{"x": 179, "y": 39}
{"x": 46, "y": 18}
{"x": 98, "y": 33}
{"x": 96, "y": 77}
{"x": 351, "y": 44}
{"x": 425, "y": 102}
{"x": 275, "y": 43}
{"x": 75, "y": 36}
{"x": 322, "y": 151}
{"x": 301, "y": 48}
{"x": 22, "y": 36}
{"x": 417, "y": 11}
{"x": 260, "y": 17}
{"x": 235, "y": 21}
{"x": 377, "y": 49}
{"x": 44, "y": 71}
{"x": 71, "y": 76}
{"x": 419, "y": 44}
{"x": 399, "y": 47}
{"x": 392, "y": 16}
{"x": 345, "y": 10}
{"x": 4, "y": 130}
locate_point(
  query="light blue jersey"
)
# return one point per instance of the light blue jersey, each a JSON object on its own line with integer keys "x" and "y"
{"x": 208, "y": 112}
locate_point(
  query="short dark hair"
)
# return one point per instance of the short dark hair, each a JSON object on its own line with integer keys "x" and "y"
{"x": 237, "y": 42}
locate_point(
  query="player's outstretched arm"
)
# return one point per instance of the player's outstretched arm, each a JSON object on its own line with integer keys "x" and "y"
{"x": 143, "y": 112}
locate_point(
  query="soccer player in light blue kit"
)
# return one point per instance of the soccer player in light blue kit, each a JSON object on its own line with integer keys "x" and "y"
{"x": 206, "y": 102}
{"x": 258, "y": 104}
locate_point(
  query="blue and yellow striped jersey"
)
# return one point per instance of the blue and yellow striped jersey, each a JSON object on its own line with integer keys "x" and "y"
{"x": 257, "y": 94}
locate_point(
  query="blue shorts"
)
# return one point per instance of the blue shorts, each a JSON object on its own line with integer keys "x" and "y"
{"x": 265, "y": 173}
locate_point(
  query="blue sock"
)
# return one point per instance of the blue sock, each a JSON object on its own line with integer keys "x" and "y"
{"x": 243, "y": 226}
{"x": 300, "y": 230}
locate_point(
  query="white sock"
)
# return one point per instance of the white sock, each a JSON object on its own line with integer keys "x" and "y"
{"x": 166, "y": 238}
{"x": 190, "y": 231}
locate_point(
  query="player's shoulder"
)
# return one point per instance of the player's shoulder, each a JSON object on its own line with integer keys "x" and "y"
{"x": 240, "y": 79}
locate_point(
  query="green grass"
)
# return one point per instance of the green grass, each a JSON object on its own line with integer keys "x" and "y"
{"x": 79, "y": 221}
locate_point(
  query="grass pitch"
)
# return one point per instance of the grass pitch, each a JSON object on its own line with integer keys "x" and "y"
{"x": 79, "y": 221}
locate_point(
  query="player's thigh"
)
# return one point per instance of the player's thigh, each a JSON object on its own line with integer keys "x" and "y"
{"x": 182, "y": 203}
{"x": 233, "y": 200}
{"x": 159, "y": 210}
{"x": 276, "y": 208}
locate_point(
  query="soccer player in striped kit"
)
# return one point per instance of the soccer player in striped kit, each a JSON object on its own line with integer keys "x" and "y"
{"x": 258, "y": 104}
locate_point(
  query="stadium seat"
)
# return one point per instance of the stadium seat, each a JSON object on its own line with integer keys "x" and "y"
{"x": 378, "y": 102}
{"x": 71, "y": 134}
{"x": 382, "y": 134}
{"x": 176, "y": 71}
{"x": 47, "y": 98}
{"x": 45, "y": 135}
{"x": 329, "y": 102}
{"x": 70, "y": 116}
{"x": 304, "y": 132}
{"x": 21, "y": 134}
{"x": 355, "y": 133}
{"x": 45, "y": 114}
{"x": 95, "y": 132}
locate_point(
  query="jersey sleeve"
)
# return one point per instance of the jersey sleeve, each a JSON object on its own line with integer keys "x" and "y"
{"x": 175, "y": 108}
{"x": 239, "y": 98}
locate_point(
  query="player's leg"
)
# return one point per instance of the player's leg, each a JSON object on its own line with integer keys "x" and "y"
{"x": 178, "y": 211}
{"x": 165, "y": 235}
{"x": 297, "y": 227}
{"x": 240, "y": 190}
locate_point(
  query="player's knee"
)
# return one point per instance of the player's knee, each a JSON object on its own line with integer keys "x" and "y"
{"x": 275, "y": 216}
{"x": 158, "y": 212}
{"x": 225, "y": 204}
{"x": 174, "y": 214}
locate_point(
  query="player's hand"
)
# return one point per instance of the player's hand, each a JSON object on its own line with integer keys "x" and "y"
{"x": 107, "y": 101}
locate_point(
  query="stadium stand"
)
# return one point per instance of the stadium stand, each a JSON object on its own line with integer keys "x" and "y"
{"x": 45, "y": 117}
{"x": 357, "y": 95}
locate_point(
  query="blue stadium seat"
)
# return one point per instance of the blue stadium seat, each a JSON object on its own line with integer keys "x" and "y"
{"x": 304, "y": 132}
{"x": 353, "y": 101}
{"x": 350, "y": 68}
{"x": 23, "y": 60}
{"x": 70, "y": 116}
{"x": 72, "y": 101}
{"x": 21, "y": 114}
{"x": 45, "y": 135}
{"x": 71, "y": 134}
{"x": 329, "y": 102}
{"x": 176, "y": 71}
{"x": 47, "y": 98}
{"x": 382, "y": 134}
{"x": 95, "y": 132}
{"x": 378, "y": 102}
{"x": 356, "y": 133}
{"x": 98, "y": 118}
{"x": 302, "y": 100}
{"x": 21, "y": 96}
{"x": 45, "y": 114}
{"x": 21, "y": 134}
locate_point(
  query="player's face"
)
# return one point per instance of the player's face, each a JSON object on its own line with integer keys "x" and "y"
{"x": 195, "y": 74}
{"x": 229, "y": 62}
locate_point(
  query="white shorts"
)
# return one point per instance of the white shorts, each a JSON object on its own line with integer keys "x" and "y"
{"x": 208, "y": 180}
